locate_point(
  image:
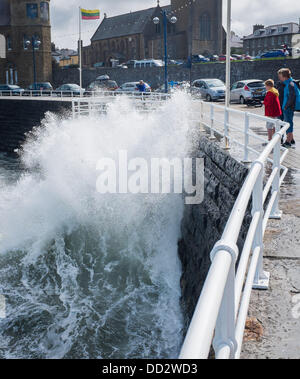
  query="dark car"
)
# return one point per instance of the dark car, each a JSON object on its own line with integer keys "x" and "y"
{"x": 199, "y": 59}
{"x": 273, "y": 54}
{"x": 39, "y": 89}
{"x": 69, "y": 90}
{"x": 100, "y": 85}
{"x": 213, "y": 58}
{"x": 10, "y": 90}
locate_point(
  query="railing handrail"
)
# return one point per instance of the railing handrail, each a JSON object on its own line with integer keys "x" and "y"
{"x": 222, "y": 307}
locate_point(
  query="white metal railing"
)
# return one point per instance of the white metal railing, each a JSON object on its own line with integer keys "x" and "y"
{"x": 145, "y": 102}
{"x": 221, "y": 312}
{"x": 85, "y": 94}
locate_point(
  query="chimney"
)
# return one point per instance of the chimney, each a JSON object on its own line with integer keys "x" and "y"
{"x": 257, "y": 27}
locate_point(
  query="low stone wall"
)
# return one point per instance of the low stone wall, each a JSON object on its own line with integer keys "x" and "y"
{"x": 17, "y": 117}
{"x": 155, "y": 76}
{"x": 203, "y": 225}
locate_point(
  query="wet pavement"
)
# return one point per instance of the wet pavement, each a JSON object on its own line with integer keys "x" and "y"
{"x": 278, "y": 309}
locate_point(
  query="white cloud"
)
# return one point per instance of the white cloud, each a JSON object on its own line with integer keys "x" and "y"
{"x": 245, "y": 13}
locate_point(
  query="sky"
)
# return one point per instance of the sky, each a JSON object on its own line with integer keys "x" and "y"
{"x": 245, "y": 13}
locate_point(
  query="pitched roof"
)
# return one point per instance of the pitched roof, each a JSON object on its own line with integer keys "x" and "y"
{"x": 124, "y": 24}
{"x": 275, "y": 30}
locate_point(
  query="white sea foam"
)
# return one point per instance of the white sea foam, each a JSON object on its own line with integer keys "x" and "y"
{"x": 88, "y": 275}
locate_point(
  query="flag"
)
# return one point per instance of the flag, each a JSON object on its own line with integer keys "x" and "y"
{"x": 90, "y": 14}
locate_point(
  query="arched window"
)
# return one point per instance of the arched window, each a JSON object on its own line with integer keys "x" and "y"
{"x": 205, "y": 27}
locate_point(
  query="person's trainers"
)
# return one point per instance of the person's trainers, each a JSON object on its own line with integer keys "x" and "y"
{"x": 287, "y": 145}
{"x": 293, "y": 142}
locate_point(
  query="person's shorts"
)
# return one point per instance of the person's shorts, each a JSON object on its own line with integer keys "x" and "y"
{"x": 289, "y": 117}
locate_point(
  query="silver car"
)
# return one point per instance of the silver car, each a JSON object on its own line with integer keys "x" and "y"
{"x": 248, "y": 91}
{"x": 132, "y": 87}
{"x": 209, "y": 89}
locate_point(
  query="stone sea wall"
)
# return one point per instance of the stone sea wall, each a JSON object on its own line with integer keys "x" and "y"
{"x": 17, "y": 117}
{"x": 203, "y": 225}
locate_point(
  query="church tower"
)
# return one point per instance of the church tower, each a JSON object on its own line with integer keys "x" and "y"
{"x": 26, "y": 25}
{"x": 201, "y": 20}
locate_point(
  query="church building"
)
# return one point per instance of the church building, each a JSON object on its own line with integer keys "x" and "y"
{"x": 198, "y": 30}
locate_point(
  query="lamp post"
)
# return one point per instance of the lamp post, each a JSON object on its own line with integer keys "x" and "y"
{"x": 35, "y": 45}
{"x": 156, "y": 21}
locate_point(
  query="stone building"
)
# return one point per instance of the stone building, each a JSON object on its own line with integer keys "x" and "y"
{"x": 133, "y": 35}
{"x": 271, "y": 37}
{"x": 23, "y": 22}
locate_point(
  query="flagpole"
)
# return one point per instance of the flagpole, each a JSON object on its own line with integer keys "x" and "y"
{"x": 80, "y": 52}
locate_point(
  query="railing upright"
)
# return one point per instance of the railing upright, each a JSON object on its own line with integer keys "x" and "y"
{"x": 261, "y": 280}
{"x": 212, "y": 120}
{"x": 226, "y": 129}
{"x": 246, "y": 139}
{"x": 224, "y": 342}
{"x": 276, "y": 213}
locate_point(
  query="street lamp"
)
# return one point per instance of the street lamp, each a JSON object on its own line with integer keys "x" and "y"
{"x": 35, "y": 46}
{"x": 156, "y": 21}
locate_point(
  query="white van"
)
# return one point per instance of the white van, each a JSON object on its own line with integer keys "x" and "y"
{"x": 148, "y": 63}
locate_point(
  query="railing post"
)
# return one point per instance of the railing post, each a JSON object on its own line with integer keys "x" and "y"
{"x": 212, "y": 134}
{"x": 262, "y": 278}
{"x": 246, "y": 139}
{"x": 202, "y": 129}
{"x": 276, "y": 213}
{"x": 225, "y": 345}
{"x": 226, "y": 129}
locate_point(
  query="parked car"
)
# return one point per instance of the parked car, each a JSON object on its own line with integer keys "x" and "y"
{"x": 9, "y": 89}
{"x": 199, "y": 59}
{"x": 176, "y": 62}
{"x": 213, "y": 58}
{"x": 173, "y": 86}
{"x": 148, "y": 63}
{"x": 132, "y": 87}
{"x": 122, "y": 65}
{"x": 237, "y": 56}
{"x": 209, "y": 89}
{"x": 69, "y": 90}
{"x": 39, "y": 89}
{"x": 273, "y": 54}
{"x": 247, "y": 58}
{"x": 248, "y": 91}
{"x": 102, "y": 84}
{"x": 222, "y": 58}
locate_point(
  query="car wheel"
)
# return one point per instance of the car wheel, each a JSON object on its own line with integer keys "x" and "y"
{"x": 242, "y": 100}
{"x": 208, "y": 98}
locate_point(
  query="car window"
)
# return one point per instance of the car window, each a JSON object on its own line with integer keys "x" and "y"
{"x": 256, "y": 85}
{"x": 240, "y": 85}
{"x": 214, "y": 83}
{"x": 234, "y": 86}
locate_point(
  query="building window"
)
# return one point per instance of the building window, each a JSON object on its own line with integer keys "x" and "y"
{"x": 8, "y": 43}
{"x": 205, "y": 27}
{"x": 32, "y": 10}
{"x": 157, "y": 29}
{"x": 44, "y": 11}
{"x": 26, "y": 42}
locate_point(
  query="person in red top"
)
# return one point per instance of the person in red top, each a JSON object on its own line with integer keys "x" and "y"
{"x": 272, "y": 106}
